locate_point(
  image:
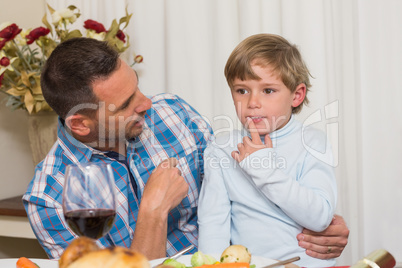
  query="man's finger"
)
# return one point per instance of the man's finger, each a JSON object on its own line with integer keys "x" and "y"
{"x": 331, "y": 231}
{"x": 326, "y": 232}
{"x": 173, "y": 162}
{"x": 255, "y": 137}
{"x": 323, "y": 256}
{"x": 169, "y": 163}
{"x": 338, "y": 220}
{"x": 319, "y": 250}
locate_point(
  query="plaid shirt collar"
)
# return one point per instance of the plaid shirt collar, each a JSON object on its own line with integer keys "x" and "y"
{"x": 75, "y": 149}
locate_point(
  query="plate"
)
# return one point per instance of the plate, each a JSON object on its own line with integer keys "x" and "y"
{"x": 186, "y": 259}
{"x": 43, "y": 263}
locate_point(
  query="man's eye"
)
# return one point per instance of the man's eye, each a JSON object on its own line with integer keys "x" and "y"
{"x": 125, "y": 105}
{"x": 268, "y": 91}
{"x": 241, "y": 91}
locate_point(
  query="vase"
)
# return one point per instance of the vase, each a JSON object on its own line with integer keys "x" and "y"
{"x": 42, "y": 133}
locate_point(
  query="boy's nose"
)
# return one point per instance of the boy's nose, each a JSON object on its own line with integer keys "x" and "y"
{"x": 254, "y": 102}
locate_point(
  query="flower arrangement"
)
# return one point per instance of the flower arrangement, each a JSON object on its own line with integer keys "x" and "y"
{"x": 24, "y": 52}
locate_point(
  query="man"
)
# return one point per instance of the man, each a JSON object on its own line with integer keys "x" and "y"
{"x": 155, "y": 147}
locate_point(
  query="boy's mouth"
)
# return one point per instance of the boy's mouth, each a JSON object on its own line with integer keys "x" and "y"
{"x": 256, "y": 119}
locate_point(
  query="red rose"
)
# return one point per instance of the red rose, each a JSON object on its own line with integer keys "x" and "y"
{"x": 10, "y": 32}
{"x": 121, "y": 36}
{"x": 94, "y": 25}
{"x": 2, "y": 43}
{"x": 1, "y": 78}
{"x": 36, "y": 33}
{"x": 4, "y": 61}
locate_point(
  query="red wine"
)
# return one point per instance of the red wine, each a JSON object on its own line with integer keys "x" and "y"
{"x": 93, "y": 223}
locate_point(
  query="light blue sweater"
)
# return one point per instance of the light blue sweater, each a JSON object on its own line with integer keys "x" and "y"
{"x": 265, "y": 201}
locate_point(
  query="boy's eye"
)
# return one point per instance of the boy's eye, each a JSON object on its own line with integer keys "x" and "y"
{"x": 268, "y": 91}
{"x": 241, "y": 91}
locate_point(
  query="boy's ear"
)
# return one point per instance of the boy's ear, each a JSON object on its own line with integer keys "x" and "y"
{"x": 79, "y": 124}
{"x": 299, "y": 94}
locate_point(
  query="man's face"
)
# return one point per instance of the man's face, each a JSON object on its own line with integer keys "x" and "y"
{"x": 122, "y": 106}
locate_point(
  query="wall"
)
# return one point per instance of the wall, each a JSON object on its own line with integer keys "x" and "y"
{"x": 15, "y": 154}
{"x": 16, "y": 166}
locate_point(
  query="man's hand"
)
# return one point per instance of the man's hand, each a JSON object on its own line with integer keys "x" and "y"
{"x": 328, "y": 243}
{"x": 164, "y": 190}
{"x": 249, "y": 146}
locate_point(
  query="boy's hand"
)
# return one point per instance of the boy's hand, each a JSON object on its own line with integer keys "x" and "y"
{"x": 252, "y": 145}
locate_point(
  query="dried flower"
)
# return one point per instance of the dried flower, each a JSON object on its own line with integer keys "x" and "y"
{"x": 10, "y": 32}
{"x": 2, "y": 43}
{"x": 24, "y": 52}
{"x": 4, "y": 61}
{"x": 121, "y": 36}
{"x": 94, "y": 25}
{"x": 36, "y": 33}
{"x": 1, "y": 78}
{"x": 138, "y": 59}
{"x": 65, "y": 15}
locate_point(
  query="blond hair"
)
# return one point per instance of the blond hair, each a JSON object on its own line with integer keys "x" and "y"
{"x": 273, "y": 51}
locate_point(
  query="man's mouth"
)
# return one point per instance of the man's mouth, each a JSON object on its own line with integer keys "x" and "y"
{"x": 139, "y": 121}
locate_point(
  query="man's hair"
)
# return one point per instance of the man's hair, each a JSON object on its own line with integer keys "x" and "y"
{"x": 273, "y": 51}
{"x": 70, "y": 71}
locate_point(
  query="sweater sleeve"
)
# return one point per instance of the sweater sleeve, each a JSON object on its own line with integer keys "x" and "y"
{"x": 309, "y": 199}
{"x": 213, "y": 207}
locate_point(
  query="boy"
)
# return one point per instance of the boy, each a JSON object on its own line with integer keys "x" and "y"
{"x": 264, "y": 191}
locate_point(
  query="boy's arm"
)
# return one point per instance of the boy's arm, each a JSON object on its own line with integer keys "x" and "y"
{"x": 322, "y": 245}
{"x": 213, "y": 208}
{"x": 310, "y": 200}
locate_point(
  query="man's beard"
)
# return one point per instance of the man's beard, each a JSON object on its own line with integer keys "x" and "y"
{"x": 133, "y": 135}
{"x": 109, "y": 138}
{"x": 132, "y": 131}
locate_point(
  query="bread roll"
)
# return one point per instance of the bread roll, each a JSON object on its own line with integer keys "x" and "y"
{"x": 84, "y": 253}
{"x": 116, "y": 257}
{"x": 78, "y": 248}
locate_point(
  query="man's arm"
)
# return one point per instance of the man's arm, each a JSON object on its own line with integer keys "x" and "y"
{"x": 326, "y": 244}
{"x": 164, "y": 190}
{"x": 47, "y": 224}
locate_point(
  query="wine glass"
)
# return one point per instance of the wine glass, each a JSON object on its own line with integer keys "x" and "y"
{"x": 89, "y": 203}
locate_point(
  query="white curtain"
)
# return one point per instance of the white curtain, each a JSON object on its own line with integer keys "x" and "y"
{"x": 353, "y": 50}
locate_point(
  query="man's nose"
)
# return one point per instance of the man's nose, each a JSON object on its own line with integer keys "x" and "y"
{"x": 145, "y": 104}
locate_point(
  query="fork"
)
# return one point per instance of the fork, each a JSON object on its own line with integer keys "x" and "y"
{"x": 282, "y": 262}
{"x": 178, "y": 254}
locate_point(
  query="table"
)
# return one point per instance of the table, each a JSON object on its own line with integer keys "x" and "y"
{"x": 13, "y": 219}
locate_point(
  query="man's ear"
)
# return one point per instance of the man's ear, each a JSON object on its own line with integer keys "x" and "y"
{"x": 299, "y": 94}
{"x": 79, "y": 124}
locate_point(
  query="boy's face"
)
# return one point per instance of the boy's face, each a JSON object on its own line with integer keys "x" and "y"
{"x": 268, "y": 102}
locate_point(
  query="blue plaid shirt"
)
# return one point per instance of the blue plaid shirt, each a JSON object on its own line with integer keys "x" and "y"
{"x": 172, "y": 129}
